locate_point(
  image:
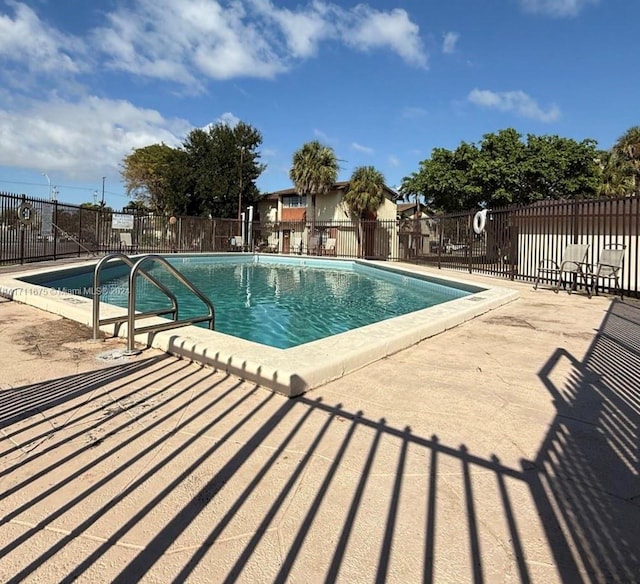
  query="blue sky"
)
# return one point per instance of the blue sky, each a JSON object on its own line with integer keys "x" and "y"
{"x": 82, "y": 83}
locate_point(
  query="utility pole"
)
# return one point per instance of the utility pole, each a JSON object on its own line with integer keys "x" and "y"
{"x": 102, "y": 202}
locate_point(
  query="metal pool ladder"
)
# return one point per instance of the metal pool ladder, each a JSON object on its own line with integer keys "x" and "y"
{"x": 131, "y": 317}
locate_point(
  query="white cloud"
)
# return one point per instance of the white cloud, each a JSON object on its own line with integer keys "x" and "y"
{"x": 84, "y": 139}
{"x": 303, "y": 30}
{"x": 371, "y": 29}
{"x": 228, "y": 119}
{"x": 190, "y": 41}
{"x": 27, "y": 42}
{"x": 182, "y": 40}
{"x": 449, "y": 42}
{"x": 556, "y": 8}
{"x": 360, "y": 148}
{"x": 517, "y": 102}
{"x": 393, "y": 161}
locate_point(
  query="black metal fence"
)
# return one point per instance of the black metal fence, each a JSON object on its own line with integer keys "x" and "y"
{"x": 57, "y": 230}
{"x": 515, "y": 239}
{"x": 511, "y": 243}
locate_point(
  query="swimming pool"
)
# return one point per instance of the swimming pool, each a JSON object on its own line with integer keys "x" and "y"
{"x": 275, "y": 303}
{"x": 289, "y": 371}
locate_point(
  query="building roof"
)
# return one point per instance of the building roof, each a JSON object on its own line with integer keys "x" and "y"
{"x": 338, "y": 186}
{"x": 405, "y": 207}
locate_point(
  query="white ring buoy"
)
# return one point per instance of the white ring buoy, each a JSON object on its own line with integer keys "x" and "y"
{"x": 479, "y": 221}
{"x": 25, "y": 213}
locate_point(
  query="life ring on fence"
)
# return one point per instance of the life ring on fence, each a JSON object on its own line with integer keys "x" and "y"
{"x": 26, "y": 213}
{"x": 480, "y": 221}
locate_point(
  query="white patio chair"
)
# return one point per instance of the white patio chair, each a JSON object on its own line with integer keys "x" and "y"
{"x": 609, "y": 267}
{"x": 330, "y": 247}
{"x": 126, "y": 243}
{"x": 572, "y": 264}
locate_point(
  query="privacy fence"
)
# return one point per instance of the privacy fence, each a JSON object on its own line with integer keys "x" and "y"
{"x": 515, "y": 239}
{"x": 511, "y": 243}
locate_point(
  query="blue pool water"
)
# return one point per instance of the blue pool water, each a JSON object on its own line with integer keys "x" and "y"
{"x": 278, "y": 303}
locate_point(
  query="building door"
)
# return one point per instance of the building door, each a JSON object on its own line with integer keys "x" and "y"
{"x": 286, "y": 241}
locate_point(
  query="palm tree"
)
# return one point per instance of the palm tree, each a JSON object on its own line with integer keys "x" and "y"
{"x": 628, "y": 148}
{"x": 616, "y": 175}
{"x": 364, "y": 196}
{"x": 314, "y": 172}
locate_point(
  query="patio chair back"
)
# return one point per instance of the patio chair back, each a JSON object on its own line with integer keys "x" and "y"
{"x": 573, "y": 264}
{"x": 609, "y": 266}
{"x": 126, "y": 242}
{"x": 330, "y": 246}
{"x": 314, "y": 244}
{"x": 573, "y": 256}
{"x": 610, "y": 260}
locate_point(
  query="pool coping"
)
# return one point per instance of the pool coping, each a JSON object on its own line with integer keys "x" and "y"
{"x": 287, "y": 371}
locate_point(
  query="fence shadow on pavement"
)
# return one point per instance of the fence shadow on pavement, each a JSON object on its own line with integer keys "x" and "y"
{"x": 587, "y": 484}
{"x": 193, "y": 474}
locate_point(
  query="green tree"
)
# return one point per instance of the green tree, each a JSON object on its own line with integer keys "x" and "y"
{"x": 97, "y": 207}
{"x": 145, "y": 172}
{"x": 627, "y": 148}
{"x": 413, "y": 186}
{"x": 503, "y": 169}
{"x": 213, "y": 172}
{"x": 314, "y": 171}
{"x": 560, "y": 168}
{"x": 364, "y": 196}
{"x": 616, "y": 175}
{"x": 222, "y": 167}
{"x": 136, "y": 206}
{"x": 446, "y": 179}
{"x": 499, "y": 168}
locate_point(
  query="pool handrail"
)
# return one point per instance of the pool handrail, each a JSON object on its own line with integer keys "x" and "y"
{"x": 119, "y": 319}
{"x": 131, "y": 320}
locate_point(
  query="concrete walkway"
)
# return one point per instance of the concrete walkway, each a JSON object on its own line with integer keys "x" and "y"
{"x": 504, "y": 450}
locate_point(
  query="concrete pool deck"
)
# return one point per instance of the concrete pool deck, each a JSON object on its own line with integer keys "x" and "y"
{"x": 288, "y": 371}
{"x": 503, "y": 450}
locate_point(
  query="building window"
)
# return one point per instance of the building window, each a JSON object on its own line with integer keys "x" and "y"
{"x": 294, "y": 201}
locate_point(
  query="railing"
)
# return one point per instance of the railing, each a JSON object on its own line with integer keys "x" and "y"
{"x": 132, "y": 314}
{"x": 516, "y": 239}
{"x": 131, "y": 321}
{"x": 120, "y": 319}
{"x": 511, "y": 245}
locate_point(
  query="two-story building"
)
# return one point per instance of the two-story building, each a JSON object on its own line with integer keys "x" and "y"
{"x": 292, "y": 223}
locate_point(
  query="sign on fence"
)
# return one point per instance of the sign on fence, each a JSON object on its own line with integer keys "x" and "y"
{"x": 47, "y": 220}
{"x": 121, "y": 221}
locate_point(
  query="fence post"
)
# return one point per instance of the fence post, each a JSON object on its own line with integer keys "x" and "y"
{"x": 79, "y": 230}
{"x": 513, "y": 245}
{"x": 440, "y": 240}
{"x": 470, "y": 242}
{"x": 98, "y": 213}
{"x": 55, "y": 229}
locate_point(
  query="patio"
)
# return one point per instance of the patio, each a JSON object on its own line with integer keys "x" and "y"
{"x": 503, "y": 450}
